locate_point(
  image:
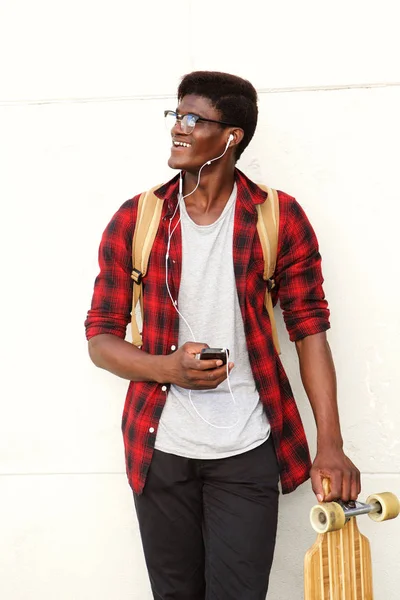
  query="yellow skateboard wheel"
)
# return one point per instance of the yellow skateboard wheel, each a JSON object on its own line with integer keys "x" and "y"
{"x": 328, "y": 516}
{"x": 389, "y": 506}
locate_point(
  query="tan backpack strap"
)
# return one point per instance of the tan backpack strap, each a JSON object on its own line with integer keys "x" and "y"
{"x": 147, "y": 222}
{"x": 268, "y": 230}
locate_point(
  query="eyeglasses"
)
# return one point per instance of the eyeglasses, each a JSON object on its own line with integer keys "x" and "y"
{"x": 188, "y": 121}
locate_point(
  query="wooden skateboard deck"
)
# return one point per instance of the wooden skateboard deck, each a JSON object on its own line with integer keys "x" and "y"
{"x": 338, "y": 566}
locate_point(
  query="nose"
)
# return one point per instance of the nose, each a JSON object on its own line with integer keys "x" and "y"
{"x": 177, "y": 127}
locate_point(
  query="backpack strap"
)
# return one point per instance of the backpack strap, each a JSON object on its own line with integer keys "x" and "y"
{"x": 268, "y": 230}
{"x": 147, "y": 222}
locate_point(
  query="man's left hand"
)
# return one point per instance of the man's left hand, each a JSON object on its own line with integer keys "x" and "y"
{"x": 343, "y": 475}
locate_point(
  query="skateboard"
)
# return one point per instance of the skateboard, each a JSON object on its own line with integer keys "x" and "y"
{"x": 338, "y": 566}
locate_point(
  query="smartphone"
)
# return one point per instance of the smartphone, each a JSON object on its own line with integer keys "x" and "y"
{"x": 214, "y": 353}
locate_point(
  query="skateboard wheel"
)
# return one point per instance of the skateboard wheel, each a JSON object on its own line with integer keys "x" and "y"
{"x": 328, "y": 516}
{"x": 389, "y": 506}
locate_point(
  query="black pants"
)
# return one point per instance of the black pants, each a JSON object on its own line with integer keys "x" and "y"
{"x": 208, "y": 527}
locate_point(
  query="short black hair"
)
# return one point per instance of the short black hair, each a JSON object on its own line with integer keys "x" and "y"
{"x": 234, "y": 97}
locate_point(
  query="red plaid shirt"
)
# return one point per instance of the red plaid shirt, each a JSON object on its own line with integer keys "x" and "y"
{"x": 299, "y": 289}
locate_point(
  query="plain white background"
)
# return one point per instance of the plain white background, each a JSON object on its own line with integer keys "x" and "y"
{"x": 83, "y": 85}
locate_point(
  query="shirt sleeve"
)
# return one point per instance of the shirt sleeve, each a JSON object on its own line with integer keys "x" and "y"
{"x": 298, "y": 273}
{"x": 111, "y": 305}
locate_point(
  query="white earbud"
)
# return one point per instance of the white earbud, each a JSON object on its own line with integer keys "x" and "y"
{"x": 230, "y": 139}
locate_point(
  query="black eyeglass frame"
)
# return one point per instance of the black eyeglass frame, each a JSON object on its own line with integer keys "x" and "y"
{"x": 179, "y": 117}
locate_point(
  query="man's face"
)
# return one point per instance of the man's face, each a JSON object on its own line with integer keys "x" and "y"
{"x": 206, "y": 141}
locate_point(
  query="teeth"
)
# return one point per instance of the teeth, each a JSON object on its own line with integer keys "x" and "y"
{"x": 182, "y": 144}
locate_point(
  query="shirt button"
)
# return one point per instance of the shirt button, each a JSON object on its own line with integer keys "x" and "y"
{"x": 173, "y": 347}
{"x": 164, "y": 388}
{"x": 151, "y": 429}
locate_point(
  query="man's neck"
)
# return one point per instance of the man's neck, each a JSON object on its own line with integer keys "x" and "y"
{"x": 215, "y": 186}
{"x": 206, "y": 204}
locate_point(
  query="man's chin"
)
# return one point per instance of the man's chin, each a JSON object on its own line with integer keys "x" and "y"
{"x": 175, "y": 163}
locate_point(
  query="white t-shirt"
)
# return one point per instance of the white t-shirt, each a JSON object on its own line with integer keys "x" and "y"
{"x": 211, "y": 423}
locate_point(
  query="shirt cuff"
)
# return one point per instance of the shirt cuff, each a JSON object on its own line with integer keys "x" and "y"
{"x": 308, "y": 327}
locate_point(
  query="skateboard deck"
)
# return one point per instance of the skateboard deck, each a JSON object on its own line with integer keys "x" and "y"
{"x": 338, "y": 566}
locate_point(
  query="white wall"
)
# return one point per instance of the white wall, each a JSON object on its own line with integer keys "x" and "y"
{"x": 82, "y": 88}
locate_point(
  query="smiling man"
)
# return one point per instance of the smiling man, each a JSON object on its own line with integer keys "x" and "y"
{"x": 206, "y": 443}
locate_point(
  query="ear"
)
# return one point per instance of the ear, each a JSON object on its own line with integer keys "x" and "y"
{"x": 237, "y": 134}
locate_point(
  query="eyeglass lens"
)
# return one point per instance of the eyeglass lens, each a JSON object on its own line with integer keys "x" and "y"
{"x": 187, "y": 122}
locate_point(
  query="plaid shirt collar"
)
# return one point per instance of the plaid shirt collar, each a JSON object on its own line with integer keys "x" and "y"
{"x": 248, "y": 191}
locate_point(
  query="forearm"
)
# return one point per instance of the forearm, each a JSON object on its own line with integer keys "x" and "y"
{"x": 181, "y": 367}
{"x": 123, "y": 359}
{"x": 319, "y": 380}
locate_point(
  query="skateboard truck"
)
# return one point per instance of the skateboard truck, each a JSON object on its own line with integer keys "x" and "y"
{"x": 332, "y": 516}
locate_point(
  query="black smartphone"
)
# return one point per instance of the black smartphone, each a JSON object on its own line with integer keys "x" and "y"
{"x": 214, "y": 353}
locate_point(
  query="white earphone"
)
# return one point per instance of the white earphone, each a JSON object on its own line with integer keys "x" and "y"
{"x": 230, "y": 139}
{"x": 181, "y": 198}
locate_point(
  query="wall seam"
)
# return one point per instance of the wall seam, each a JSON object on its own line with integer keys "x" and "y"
{"x": 148, "y": 97}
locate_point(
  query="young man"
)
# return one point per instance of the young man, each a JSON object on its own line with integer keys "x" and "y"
{"x": 204, "y": 450}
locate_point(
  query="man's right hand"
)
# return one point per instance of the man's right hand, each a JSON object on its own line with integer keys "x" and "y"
{"x": 182, "y": 368}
